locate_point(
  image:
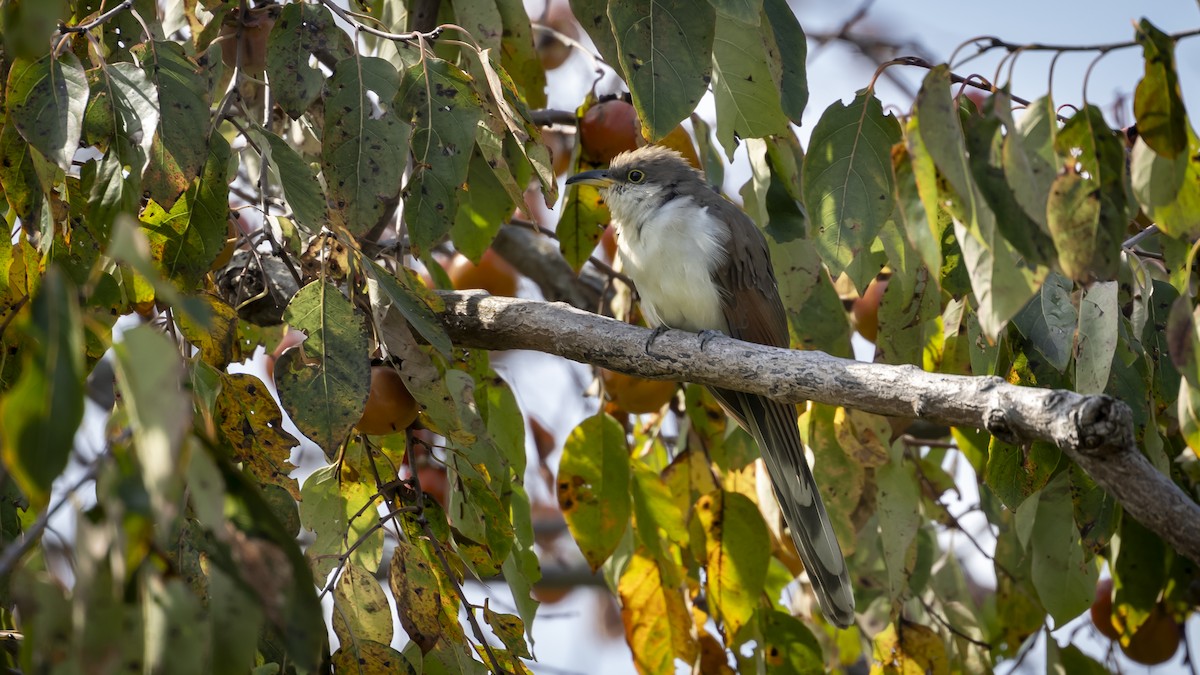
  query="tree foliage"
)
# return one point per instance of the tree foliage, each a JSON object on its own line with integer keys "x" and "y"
{"x": 214, "y": 169}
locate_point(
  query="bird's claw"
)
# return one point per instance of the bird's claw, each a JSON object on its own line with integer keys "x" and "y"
{"x": 654, "y": 335}
{"x": 706, "y": 336}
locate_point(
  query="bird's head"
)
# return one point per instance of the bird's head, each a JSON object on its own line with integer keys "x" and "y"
{"x": 638, "y": 182}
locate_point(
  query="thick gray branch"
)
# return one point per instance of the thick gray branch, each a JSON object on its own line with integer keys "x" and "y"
{"x": 1096, "y": 431}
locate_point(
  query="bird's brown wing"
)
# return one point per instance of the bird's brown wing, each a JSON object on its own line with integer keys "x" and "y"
{"x": 754, "y": 313}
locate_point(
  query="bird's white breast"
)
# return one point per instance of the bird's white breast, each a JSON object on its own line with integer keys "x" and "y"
{"x": 670, "y": 252}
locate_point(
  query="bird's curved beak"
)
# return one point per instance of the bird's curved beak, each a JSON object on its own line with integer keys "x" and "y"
{"x": 599, "y": 178}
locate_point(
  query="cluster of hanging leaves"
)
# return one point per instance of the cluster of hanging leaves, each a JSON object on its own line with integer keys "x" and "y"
{"x": 125, "y": 145}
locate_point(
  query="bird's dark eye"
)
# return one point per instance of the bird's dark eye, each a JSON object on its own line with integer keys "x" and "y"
{"x": 635, "y": 176}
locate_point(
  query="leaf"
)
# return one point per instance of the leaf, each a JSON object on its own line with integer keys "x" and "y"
{"x": 593, "y": 17}
{"x": 848, "y": 181}
{"x": 439, "y": 101}
{"x": 18, "y": 177}
{"x": 908, "y": 322}
{"x": 583, "y": 218}
{"x": 1013, "y": 473}
{"x": 323, "y": 384}
{"x": 658, "y": 627}
{"x": 43, "y": 409}
{"x": 216, "y": 338}
{"x": 593, "y": 487}
{"x": 1097, "y": 341}
{"x": 1139, "y": 574}
{"x": 1100, "y": 153}
{"x": 414, "y": 584}
{"x": 302, "y": 31}
{"x": 483, "y": 207}
{"x": 793, "y": 54}
{"x": 361, "y": 174}
{"x": 299, "y": 183}
{"x": 406, "y": 293}
{"x": 369, "y": 658}
{"x": 1048, "y": 322}
{"x": 911, "y": 216}
{"x": 899, "y": 519}
{"x": 840, "y": 477}
{"x": 665, "y": 50}
{"x": 46, "y": 100}
{"x": 909, "y": 649}
{"x": 179, "y": 147}
{"x": 1095, "y": 511}
{"x": 510, "y": 630}
{"x": 731, "y": 539}
{"x": 1028, "y": 158}
{"x": 1001, "y": 283}
{"x": 1065, "y": 580}
{"x": 175, "y": 639}
{"x": 788, "y": 646}
{"x": 150, "y": 381}
{"x": 252, "y": 425}
{"x": 1157, "y": 102}
{"x": 656, "y": 514}
{"x": 360, "y": 609}
{"x": 520, "y": 568}
{"x": 122, "y": 114}
{"x": 745, "y": 85}
{"x": 1073, "y": 215}
{"x": 744, "y": 11}
{"x": 1175, "y": 182}
{"x": 517, "y": 53}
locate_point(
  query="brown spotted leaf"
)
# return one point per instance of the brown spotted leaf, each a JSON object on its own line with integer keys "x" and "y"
{"x": 252, "y": 423}
{"x": 178, "y": 151}
{"x": 46, "y": 100}
{"x": 729, "y": 535}
{"x": 360, "y": 609}
{"x": 302, "y": 31}
{"x": 658, "y": 626}
{"x": 418, "y": 600}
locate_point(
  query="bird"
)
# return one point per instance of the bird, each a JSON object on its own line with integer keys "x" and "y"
{"x": 700, "y": 264}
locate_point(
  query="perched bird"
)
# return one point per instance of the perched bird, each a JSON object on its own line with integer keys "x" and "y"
{"x": 700, "y": 264}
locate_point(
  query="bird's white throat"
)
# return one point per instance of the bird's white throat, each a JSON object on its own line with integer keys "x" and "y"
{"x": 670, "y": 250}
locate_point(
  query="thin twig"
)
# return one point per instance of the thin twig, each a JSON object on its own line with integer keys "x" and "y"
{"x": 401, "y": 37}
{"x": 938, "y": 617}
{"x": 84, "y": 27}
{"x": 17, "y": 549}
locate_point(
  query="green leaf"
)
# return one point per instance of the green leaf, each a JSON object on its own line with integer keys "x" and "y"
{"x": 483, "y": 207}
{"x": 807, "y": 291}
{"x": 1028, "y": 157}
{"x": 1095, "y": 511}
{"x": 302, "y": 31}
{"x": 1100, "y": 154}
{"x": 323, "y": 384}
{"x": 150, "y": 380}
{"x": 299, "y": 183}
{"x": 405, "y": 292}
{"x": 175, "y": 639}
{"x": 908, "y": 322}
{"x": 517, "y": 54}
{"x": 122, "y": 114}
{"x": 583, "y": 218}
{"x": 1013, "y": 472}
{"x": 848, "y": 180}
{"x": 746, "y": 83}
{"x": 899, "y": 519}
{"x": 1070, "y": 660}
{"x": 788, "y": 646}
{"x": 360, "y": 609}
{"x": 1157, "y": 102}
{"x": 46, "y": 100}
{"x": 1048, "y": 322}
{"x": 1139, "y": 566}
{"x": 179, "y": 148}
{"x": 29, "y": 25}
{"x": 793, "y": 54}
{"x": 593, "y": 16}
{"x": 520, "y": 568}
{"x": 731, "y": 539}
{"x": 482, "y": 18}
{"x": 1099, "y": 313}
{"x": 1169, "y": 190}
{"x": 744, "y": 11}
{"x": 358, "y": 159}
{"x": 1062, "y": 574}
{"x": 656, "y": 515}
{"x": 41, "y": 412}
{"x": 665, "y": 50}
{"x": 511, "y": 631}
{"x": 185, "y": 240}
{"x": 593, "y": 486}
{"x": 1001, "y": 283}
{"x": 985, "y": 144}
{"x": 439, "y": 101}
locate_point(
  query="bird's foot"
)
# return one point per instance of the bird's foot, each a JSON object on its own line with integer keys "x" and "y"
{"x": 706, "y": 336}
{"x": 654, "y": 335}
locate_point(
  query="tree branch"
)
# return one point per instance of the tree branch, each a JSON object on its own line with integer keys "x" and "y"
{"x": 1095, "y": 431}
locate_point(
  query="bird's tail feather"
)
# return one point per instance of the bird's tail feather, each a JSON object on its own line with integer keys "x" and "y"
{"x": 773, "y": 426}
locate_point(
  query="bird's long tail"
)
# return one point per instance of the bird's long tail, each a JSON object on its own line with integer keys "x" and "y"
{"x": 773, "y": 426}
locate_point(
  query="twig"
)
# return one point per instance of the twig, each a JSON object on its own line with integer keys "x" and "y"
{"x": 992, "y": 42}
{"x": 938, "y": 617}
{"x": 84, "y": 27}
{"x": 411, "y": 36}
